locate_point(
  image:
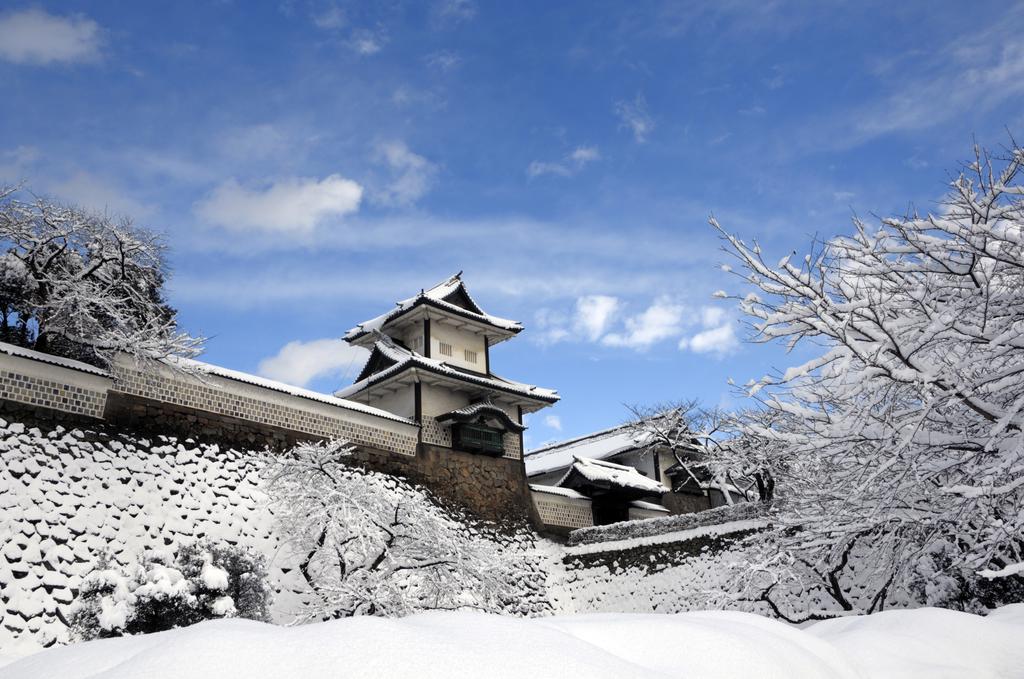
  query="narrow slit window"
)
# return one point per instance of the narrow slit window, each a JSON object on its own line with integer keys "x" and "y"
{"x": 445, "y": 349}
{"x": 470, "y": 355}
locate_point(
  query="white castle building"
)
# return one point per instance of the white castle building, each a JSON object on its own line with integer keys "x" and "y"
{"x": 430, "y": 362}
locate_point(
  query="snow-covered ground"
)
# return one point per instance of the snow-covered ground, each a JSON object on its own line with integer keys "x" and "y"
{"x": 925, "y": 643}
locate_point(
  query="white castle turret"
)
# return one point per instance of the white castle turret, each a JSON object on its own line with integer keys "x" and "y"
{"x": 430, "y": 362}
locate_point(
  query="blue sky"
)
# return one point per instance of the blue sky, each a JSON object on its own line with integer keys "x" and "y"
{"x": 313, "y": 162}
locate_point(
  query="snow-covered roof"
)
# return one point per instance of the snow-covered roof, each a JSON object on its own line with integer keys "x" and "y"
{"x": 599, "y": 445}
{"x": 482, "y": 409}
{"x": 602, "y": 472}
{"x": 555, "y": 490}
{"x": 22, "y": 352}
{"x": 449, "y": 295}
{"x": 194, "y": 366}
{"x": 403, "y": 359}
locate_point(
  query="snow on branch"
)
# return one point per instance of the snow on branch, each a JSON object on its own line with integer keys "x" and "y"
{"x": 371, "y": 544}
{"x": 905, "y": 428}
{"x": 84, "y": 285}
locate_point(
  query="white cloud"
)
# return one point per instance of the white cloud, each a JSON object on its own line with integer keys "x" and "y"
{"x": 295, "y": 205}
{"x": 15, "y": 163}
{"x": 721, "y": 340}
{"x": 963, "y": 79}
{"x": 95, "y": 193}
{"x": 635, "y": 118}
{"x": 455, "y": 11}
{"x": 255, "y": 141}
{"x": 412, "y": 175}
{"x": 366, "y": 43}
{"x": 594, "y": 313}
{"x": 585, "y": 154}
{"x": 331, "y": 18}
{"x": 299, "y": 363}
{"x": 443, "y": 60}
{"x": 718, "y": 336}
{"x": 573, "y": 162}
{"x": 553, "y": 422}
{"x": 711, "y": 316}
{"x": 776, "y": 80}
{"x": 661, "y": 320}
{"x": 33, "y": 36}
{"x": 550, "y": 327}
{"x": 538, "y": 168}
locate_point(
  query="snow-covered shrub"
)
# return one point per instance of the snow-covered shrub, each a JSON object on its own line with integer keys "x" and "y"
{"x": 164, "y": 590}
{"x": 227, "y": 577}
{"x": 906, "y": 427}
{"x": 162, "y": 598}
{"x": 372, "y": 544}
{"x": 101, "y": 609}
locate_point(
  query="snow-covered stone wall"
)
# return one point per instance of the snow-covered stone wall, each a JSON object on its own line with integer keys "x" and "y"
{"x": 626, "y": 530}
{"x": 67, "y": 493}
{"x": 669, "y": 573}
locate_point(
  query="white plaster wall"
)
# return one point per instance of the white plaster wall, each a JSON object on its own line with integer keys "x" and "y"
{"x": 401, "y": 403}
{"x": 439, "y": 400}
{"x": 460, "y": 341}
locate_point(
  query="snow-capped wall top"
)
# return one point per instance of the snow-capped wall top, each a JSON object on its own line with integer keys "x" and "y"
{"x": 449, "y": 295}
{"x": 22, "y": 352}
{"x": 556, "y": 490}
{"x": 402, "y": 359}
{"x": 198, "y": 367}
{"x": 598, "y": 445}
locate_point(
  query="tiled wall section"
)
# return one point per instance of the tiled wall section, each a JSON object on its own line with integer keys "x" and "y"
{"x": 214, "y": 395}
{"x": 57, "y": 394}
{"x": 435, "y": 434}
{"x": 512, "y": 451}
{"x": 563, "y": 512}
{"x": 438, "y": 435}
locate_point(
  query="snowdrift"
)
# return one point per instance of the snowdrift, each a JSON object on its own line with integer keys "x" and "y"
{"x": 930, "y": 643}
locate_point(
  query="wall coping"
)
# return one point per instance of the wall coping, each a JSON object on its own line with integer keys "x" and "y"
{"x": 70, "y": 364}
{"x": 198, "y": 369}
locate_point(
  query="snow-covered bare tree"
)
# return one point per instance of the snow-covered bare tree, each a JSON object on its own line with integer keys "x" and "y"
{"x": 710, "y": 447}
{"x": 906, "y": 428}
{"x": 751, "y": 452}
{"x": 83, "y": 285}
{"x": 372, "y": 544}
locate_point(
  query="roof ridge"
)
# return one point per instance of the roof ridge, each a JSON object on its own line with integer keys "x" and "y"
{"x": 584, "y": 437}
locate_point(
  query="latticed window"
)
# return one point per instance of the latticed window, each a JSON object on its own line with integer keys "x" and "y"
{"x": 445, "y": 348}
{"x": 479, "y": 438}
{"x": 470, "y": 355}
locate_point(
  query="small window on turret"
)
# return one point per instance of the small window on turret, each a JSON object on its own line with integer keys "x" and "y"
{"x": 445, "y": 348}
{"x": 470, "y": 355}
